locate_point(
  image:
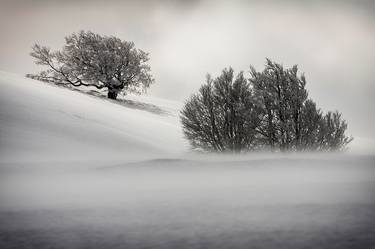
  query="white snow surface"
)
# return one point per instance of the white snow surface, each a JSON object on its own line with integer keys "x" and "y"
{"x": 43, "y": 122}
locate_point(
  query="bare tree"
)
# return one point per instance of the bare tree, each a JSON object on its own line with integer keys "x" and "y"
{"x": 222, "y": 115}
{"x": 291, "y": 121}
{"x": 283, "y": 94}
{"x": 332, "y": 131}
{"x": 92, "y": 60}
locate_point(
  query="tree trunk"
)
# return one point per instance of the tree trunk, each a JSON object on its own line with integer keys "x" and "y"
{"x": 112, "y": 94}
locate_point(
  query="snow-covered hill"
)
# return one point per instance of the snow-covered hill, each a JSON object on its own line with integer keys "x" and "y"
{"x": 41, "y": 122}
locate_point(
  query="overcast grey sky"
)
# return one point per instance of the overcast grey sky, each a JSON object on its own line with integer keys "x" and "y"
{"x": 333, "y": 42}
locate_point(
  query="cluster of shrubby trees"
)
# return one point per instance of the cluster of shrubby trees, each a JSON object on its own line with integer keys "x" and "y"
{"x": 269, "y": 110}
{"x": 92, "y": 60}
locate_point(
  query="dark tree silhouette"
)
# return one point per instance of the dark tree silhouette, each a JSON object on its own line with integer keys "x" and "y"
{"x": 270, "y": 110}
{"x": 92, "y": 60}
{"x": 222, "y": 115}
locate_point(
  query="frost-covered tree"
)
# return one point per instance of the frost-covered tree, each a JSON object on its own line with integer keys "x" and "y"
{"x": 289, "y": 120}
{"x": 222, "y": 115}
{"x": 332, "y": 132}
{"x": 92, "y": 60}
{"x": 282, "y": 93}
{"x": 311, "y": 126}
{"x": 270, "y": 110}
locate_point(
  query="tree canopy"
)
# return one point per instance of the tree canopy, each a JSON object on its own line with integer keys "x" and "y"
{"x": 269, "y": 110}
{"x": 92, "y": 60}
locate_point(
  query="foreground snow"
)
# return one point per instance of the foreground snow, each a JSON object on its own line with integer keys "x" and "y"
{"x": 312, "y": 202}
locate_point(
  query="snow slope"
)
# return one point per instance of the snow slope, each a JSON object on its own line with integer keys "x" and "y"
{"x": 41, "y": 122}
